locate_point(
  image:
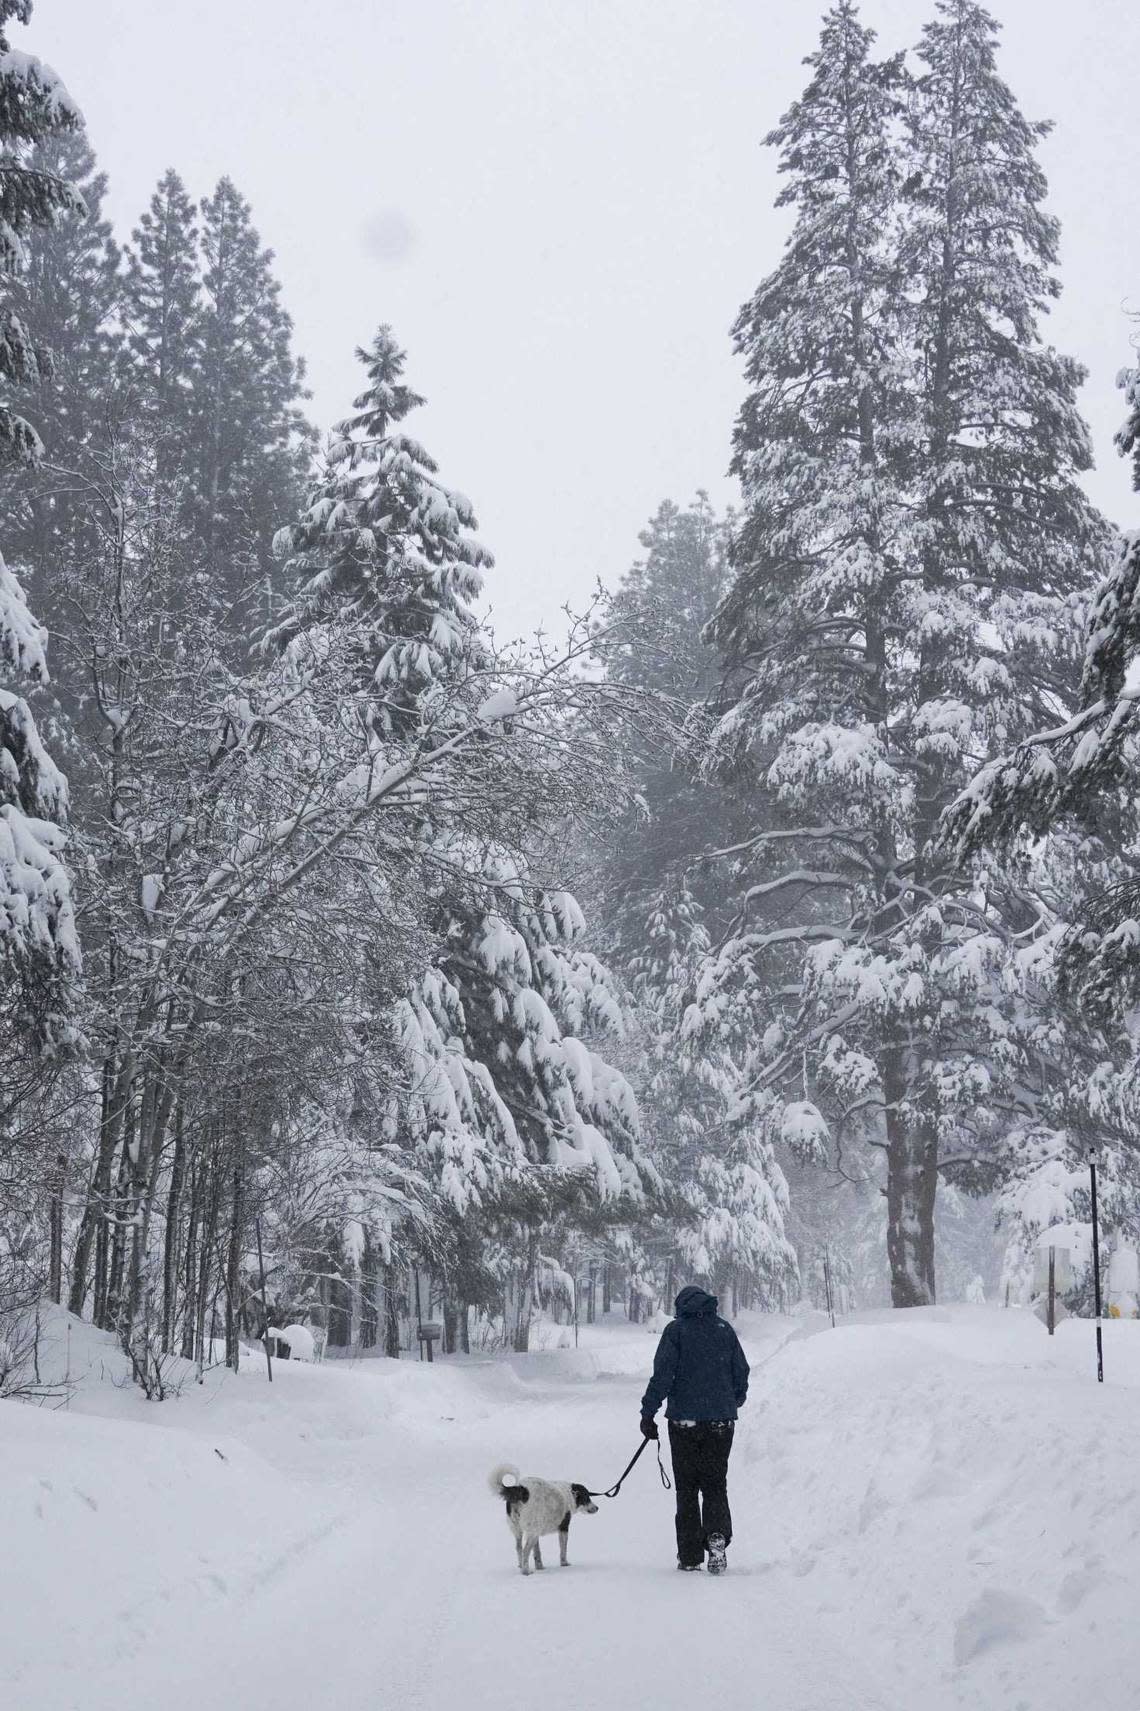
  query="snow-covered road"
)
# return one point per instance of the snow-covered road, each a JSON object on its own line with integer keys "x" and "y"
{"x": 934, "y": 1513}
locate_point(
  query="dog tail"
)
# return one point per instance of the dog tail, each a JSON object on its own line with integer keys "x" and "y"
{"x": 503, "y": 1477}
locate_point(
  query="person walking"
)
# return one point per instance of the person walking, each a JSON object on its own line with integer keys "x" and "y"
{"x": 700, "y": 1372}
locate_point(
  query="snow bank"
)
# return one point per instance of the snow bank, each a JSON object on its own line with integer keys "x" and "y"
{"x": 958, "y": 1485}
{"x": 117, "y": 1526}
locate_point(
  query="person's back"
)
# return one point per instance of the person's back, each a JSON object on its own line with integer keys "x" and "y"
{"x": 701, "y": 1374}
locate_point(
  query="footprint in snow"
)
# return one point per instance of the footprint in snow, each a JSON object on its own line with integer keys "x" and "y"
{"x": 1076, "y": 1587}
{"x": 939, "y": 1480}
{"x": 996, "y": 1618}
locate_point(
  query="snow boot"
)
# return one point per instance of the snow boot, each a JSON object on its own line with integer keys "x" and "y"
{"x": 718, "y": 1558}
{"x": 690, "y": 1567}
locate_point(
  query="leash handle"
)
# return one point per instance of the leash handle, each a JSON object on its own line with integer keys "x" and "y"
{"x": 640, "y": 1451}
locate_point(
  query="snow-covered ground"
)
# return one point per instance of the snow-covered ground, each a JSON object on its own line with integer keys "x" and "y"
{"x": 934, "y": 1510}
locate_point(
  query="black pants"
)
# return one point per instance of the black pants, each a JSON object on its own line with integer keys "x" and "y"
{"x": 700, "y": 1473}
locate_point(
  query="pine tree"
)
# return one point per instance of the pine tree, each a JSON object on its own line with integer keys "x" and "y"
{"x": 651, "y": 640}
{"x": 1007, "y": 540}
{"x": 1064, "y": 802}
{"x": 161, "y": 291}
{"x": 386, "y": 551}
{"x": 70, "y": 296}
{"x": 38, "y": 950}
{"x": 663, "y": 903}
{"x": 251, "y": 440}
{"x": 503, "y": 1034}
{"x": 913, "y": 545}
{"x": 506, "y": 1093}
{"x": 719, "y": 1159}
{"x": 220, "y": 392}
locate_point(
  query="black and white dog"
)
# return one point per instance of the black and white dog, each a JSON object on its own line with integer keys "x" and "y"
{"x": 536, "y": 1507}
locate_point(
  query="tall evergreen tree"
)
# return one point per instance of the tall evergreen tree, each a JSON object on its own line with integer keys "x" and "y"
{"x": 1077, "y": 777}
{"x": 386, "y": 550}
{"x": 662, "y": 905}
{"x": 70, "y": 298}
{"x": 161, "y": 293}
{"x": 251, "y": 440}
{"x": 652, "y": 641}
{"x": 38, "y": 951}
{"x": 1064, "y": 804}
{"x": 219, "y": 392}
{"x": 914, "y": 538}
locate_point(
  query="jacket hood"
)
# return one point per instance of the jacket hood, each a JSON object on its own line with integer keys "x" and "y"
{"x": 693, "y": 1302}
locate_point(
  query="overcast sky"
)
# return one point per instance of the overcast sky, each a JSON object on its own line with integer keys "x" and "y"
{"x": 559, "y": 205}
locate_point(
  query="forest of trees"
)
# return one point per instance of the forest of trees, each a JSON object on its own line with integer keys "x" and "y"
{"x": 290, "y": 846}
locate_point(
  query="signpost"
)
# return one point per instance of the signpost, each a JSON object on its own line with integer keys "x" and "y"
{"x": 430, "y": 1332}
{"x": 1052, "y": 1274}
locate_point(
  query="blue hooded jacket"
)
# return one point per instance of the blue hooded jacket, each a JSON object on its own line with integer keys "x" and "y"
{"x": 700, "y": 1366}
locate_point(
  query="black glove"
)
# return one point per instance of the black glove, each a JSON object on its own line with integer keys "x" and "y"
{"x": 648, "y": 1427}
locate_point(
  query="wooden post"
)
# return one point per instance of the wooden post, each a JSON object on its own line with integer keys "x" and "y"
{"x": 264, "y": 1303}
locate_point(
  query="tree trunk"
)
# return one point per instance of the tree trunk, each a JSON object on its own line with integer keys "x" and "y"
{"x": 369, "y": 1318}
{"x": 93, "y": 1228}
{"x": 450, "y": 1326}
{"x": 203, "y": 1288}
{"x": 170, "y": 1242}
{"x": 524, "y": 1305}
{"x": 190, "y": 1264}
{"x": 391, "y": 1313}
{"x": 55, "y": 1218}
{"x": 154, "y": 1114}
{"x": 339, "y": 1297}
{"x": 465, "y": 1327}
{"x": 912, "y": 1183}
{"x": 116, "y": 1265}
{"x": 233, "y": 1271}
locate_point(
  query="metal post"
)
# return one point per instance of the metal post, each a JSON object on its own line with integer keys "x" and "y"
{"x": 1096, "y": 1270}
{"x": 264, "y": 1303}
{"x": 1052, "y": 1319}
